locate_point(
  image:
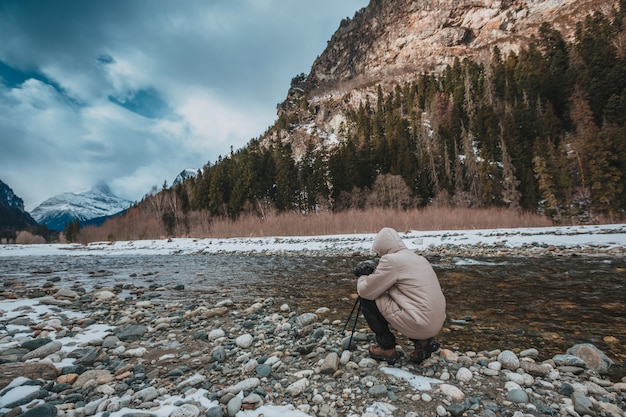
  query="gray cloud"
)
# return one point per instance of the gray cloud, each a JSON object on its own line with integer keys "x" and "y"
{"x": 133, "y": 91}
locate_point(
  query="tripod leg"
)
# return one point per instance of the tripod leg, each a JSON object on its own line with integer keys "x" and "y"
{"x": 356, "y": 318}
{"x": 356, "y": 302}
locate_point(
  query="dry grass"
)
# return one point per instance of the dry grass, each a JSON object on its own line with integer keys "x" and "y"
{"x": 139, "y": 224}
{"x": 372, "y": 220}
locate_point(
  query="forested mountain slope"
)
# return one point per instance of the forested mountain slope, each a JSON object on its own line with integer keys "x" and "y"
{"x": 517, "y": 104}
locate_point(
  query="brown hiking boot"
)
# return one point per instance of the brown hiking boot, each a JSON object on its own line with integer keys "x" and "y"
{"x": 391, "y": 356}
{"x": 423, "y": 351}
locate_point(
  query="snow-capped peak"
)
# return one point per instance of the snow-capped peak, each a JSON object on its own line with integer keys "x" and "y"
{"x": 95, "y": 203}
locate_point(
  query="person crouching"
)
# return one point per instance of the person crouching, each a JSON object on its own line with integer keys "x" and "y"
{"x": 403, "y": 292}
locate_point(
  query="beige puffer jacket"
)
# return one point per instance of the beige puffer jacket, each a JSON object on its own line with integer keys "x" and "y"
{"x": 405, "y": 287}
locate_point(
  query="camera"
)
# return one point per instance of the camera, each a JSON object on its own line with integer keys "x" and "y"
{"x": 365, "y": 268}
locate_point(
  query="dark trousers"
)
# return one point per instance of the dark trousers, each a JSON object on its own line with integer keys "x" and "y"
{"x": 379, "y": 325}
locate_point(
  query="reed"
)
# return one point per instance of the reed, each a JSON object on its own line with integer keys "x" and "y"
{"x": 372, "y": 220}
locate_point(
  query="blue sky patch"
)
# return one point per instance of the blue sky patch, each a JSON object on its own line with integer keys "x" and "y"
{"x": 145, "y": 102}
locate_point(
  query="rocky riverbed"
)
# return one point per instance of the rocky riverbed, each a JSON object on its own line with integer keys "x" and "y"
{"x": 78, "y": 353}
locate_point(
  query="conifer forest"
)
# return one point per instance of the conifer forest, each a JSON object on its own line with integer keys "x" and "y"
{"x": 542, "y": 131}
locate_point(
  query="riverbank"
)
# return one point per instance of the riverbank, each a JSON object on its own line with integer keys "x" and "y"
{"x": 122, "y": 352}
{"x": 607, "y": 239}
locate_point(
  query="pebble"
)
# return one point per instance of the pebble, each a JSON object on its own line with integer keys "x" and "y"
{"x": 218, "y": 360}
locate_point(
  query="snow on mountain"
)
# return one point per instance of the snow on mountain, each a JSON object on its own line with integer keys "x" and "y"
{"x": 97, "y": 203}
{"x": 185, "y": 174}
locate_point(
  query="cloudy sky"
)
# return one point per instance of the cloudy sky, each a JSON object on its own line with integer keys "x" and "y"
{"x": 131, "y": 92}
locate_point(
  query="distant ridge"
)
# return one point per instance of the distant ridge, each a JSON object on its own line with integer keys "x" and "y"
{"x": 89, "y": 207}
{"x": 13, "y": 217}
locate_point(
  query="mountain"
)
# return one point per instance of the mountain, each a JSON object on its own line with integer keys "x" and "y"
{"x": 509, "y": 104}
{"x": 184, "y": 175}
{"x": 92, "y": 206}
{"x": 394, "y": 42}
{"x": 13, "y": 217}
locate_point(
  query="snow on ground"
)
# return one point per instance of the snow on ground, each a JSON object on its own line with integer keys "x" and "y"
{"x": 606, "y": 236}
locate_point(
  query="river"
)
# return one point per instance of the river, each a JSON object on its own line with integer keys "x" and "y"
{"x": 548, "y": 303}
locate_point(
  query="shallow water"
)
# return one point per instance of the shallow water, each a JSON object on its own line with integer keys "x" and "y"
{"x": 495, "y": 303}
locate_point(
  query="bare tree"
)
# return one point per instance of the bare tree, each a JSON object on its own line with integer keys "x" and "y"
{"x": 390, "y": 191}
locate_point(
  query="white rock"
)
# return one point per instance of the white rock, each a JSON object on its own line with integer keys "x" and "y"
{"x": 304, "y": 373}
{"x": 193, "y": 380}
{"x": 250, "y": 366}
{"x": 105, "y": 389}
{"x": 146, "y": 394}
{"x": 135, "y": 353}
{"x": 496, "y": 366}
{"x": 244, "y": 341}
{"x": 510, "y": 386}
{"x": 509, "y": 360}
{"x": 515, "y": 377}
{"x": 216, "y": 334}
{"x": 103, "y": 295}
{"x": 297, "y": 387}
{"x": 346, "y": 355}
{"x": 186, "y": 410}
{"x": 464, "y": 374}
{"x": 451, "y": 391}
{"x": 245, "y": 385}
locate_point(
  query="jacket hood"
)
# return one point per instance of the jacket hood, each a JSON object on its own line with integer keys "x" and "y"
{"x": 387, "y": 241}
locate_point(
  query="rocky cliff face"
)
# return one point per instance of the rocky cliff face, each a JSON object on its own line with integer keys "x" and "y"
{"x": 393, "y": 41}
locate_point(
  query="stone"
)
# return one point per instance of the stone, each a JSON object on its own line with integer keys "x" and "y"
{"x": 330, "y": 364}
{"x": 582, "y": 404}
{"x": 378, "y": 390}
{"x": 297, "y": 387}
{"x": 192, "y": 381}
{"x": 43, "y": 410}
{"x": 305, "y": 319}
{"x": 216, "y": 334}
{"x": 33, "y": 370}
{"x": 66, "y": 293}
{"x": 218, "y": 354}
{"x": 263, "y": 370}
{"x": 535, "y": 368}
{"x": 43, "y": 351}
{"x": 215, "y": 412}
{"x": 244, "y": 341}
{"x": 517, "y": 396}
{"x": 593, "y": 357}
{"x": 234, "y": 405}
{"x": 146, "y": 394}
{"x": 130, "y": 332}
{"x": 529, "y": 353}
{"x": 252, "y": 401}
{"x": 464, "y": 374}
{"x": 245, "y": 385}
{"x": 569, "y": 360}
{"x": 186, "y": 410}
{"x": 509, "y": 360}
{"x": 33, "y": 344}
{"x": 451, "y": 391}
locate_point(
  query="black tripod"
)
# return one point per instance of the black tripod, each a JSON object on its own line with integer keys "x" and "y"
{"x": 357, "y": 307}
